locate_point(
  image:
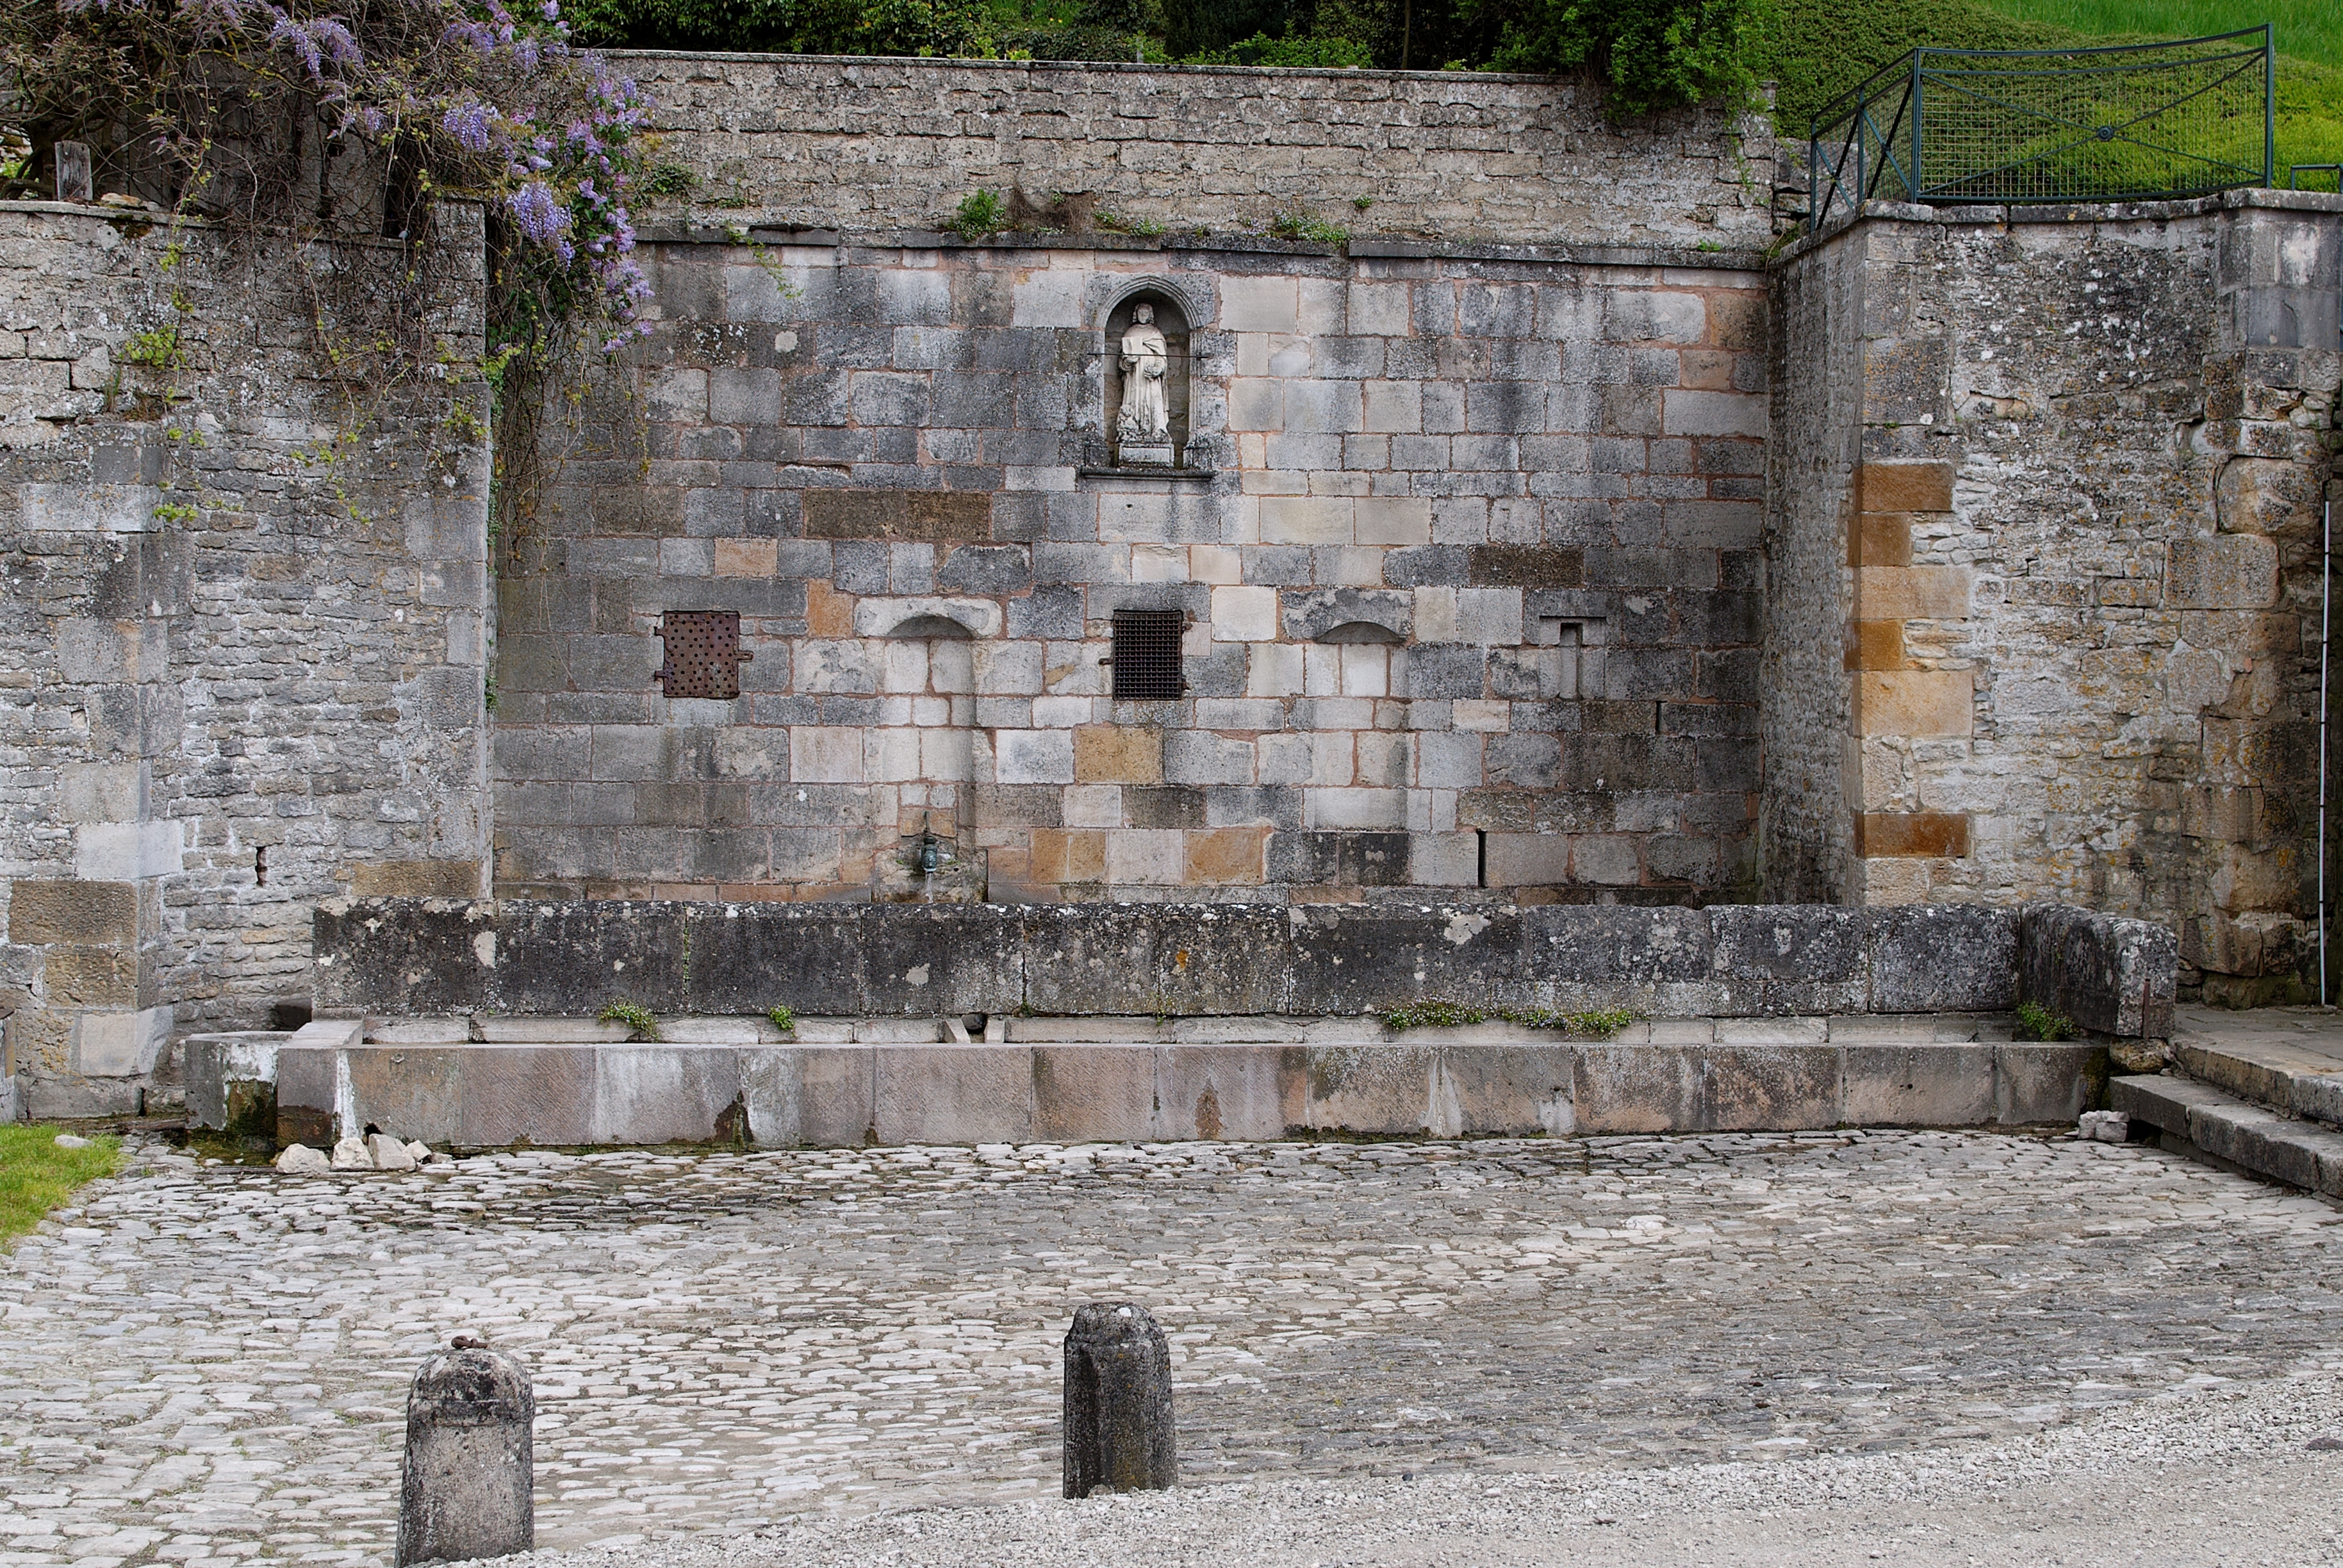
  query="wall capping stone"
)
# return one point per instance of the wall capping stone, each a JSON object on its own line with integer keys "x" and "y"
{"x": 402, "y": 957}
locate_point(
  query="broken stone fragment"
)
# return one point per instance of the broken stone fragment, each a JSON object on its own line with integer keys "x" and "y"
{"x": 350, "y": 1154}
{"x": 421, "y": 1151}
{"x": 67, "y": 1140}
{"x": 300, "y": 1160}
{"x": 2104, "y": 1126}
{"x": 389, "y": 1153}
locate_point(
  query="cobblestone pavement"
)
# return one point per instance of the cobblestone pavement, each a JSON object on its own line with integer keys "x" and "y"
{"x": 208, "y": 1362}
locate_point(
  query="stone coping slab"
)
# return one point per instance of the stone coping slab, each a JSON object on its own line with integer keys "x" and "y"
{"x": 390, "y": 958}
{"x": 482, "y": 1095}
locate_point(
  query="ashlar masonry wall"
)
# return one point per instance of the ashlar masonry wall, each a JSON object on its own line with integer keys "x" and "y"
{"x": 239, "y": 678}
{"x": 1466, "y": 546}
{"x": 2045, "y": 540}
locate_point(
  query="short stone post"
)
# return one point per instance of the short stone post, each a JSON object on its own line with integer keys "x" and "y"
{"x": 1118, "y": 1403}
{"x": 465, "y": 1492}
{"x": 74, "y": 182}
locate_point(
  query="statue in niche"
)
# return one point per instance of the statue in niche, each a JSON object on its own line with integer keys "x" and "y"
{"x": 1142, "y": 427}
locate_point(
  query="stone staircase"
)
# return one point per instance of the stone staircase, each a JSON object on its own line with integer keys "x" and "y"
{"x": 2259, "y": 1092}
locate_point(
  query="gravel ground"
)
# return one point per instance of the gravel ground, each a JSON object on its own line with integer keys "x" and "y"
{"x": 206, "y": 1364}
{"x": 2193, "y": 1481}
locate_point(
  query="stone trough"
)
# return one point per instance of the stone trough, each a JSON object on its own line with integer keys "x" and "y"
{"x": 1002, "y": 1024}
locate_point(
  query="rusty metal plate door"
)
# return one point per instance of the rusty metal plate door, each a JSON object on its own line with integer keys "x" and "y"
{"x": 703, "y": 653}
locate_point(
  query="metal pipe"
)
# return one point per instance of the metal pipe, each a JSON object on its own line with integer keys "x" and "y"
{"x": 2326, "y": 610}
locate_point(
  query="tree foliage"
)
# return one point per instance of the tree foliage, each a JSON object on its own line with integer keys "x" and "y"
{"x": 962, "y": 29}
{"x": 1649, "y": 53}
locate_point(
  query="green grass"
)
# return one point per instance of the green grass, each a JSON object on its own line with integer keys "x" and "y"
{"x": 2307, "y": 29}
{"x": 1823, "y": 48}
{"x": 35, "y": 1175}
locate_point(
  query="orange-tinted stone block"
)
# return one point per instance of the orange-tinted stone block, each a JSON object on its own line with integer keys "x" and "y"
{"x": 1930, "y": 835}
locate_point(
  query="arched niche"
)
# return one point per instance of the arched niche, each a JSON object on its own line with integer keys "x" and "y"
{"x": 932, "y": 625}
{"x": 1355, "y": 631}
{"x": 1132, "y": 446}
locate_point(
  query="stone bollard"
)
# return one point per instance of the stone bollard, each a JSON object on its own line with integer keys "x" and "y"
{"x": 466, "y": 1488}
{"x": 1118, "y": 1403}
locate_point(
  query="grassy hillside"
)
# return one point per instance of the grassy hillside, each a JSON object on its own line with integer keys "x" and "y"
{"x": 2307, "y": 29}
{"x": 1823, "y": 48}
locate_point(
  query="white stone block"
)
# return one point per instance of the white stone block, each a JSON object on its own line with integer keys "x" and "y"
{"x": 89, "y": 508}
{"x": 120, "y": 1044}
{"x": 1384, "y": 809}
{"x": 905, "y": 666}
{"x": 1275, "y": 669}
{"x": 127, "y": 851}
{"x": 1147, "y": 857}
{"x": 826, "y": 754}
{"x": 1159, "y": 564}
{"x": 1251, "y": 304}
{"x": 1366, "y": 668}
{"x": 890, "y": 756}
{"x": 1007, "y": 668}
{"x": 1033, "y": 757}
{"x": 1244, "y": 614}
{"x": 1094, "y": 806}
{"x": 1049, "y": 298}
{"x": 1214, "y": 564}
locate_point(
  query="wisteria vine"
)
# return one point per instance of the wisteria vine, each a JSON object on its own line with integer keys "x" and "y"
{"x": 204, "y": 106}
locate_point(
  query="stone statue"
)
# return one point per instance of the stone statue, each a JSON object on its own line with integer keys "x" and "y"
{"x": 1144, "y": 420}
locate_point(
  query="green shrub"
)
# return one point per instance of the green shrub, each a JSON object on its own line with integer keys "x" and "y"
{"x": 2036, "y": 1021}
{"x": 981, "y": 213}
{"x": 635, "y": 1016}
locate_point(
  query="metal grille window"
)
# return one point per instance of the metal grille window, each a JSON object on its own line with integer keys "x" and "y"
{"x": 1147, "y": 655}
{"x": 703, "y": 653}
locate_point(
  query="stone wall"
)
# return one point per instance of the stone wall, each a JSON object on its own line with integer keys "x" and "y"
{"x": 226, "y": 695}
{"x": 877, "y": 146}
{"x": 1466, "y": 544}
{"x": 2073, "y": 462}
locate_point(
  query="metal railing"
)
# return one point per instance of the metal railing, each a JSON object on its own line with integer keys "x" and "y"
{"x": 2127, "y": 122}
{"x": 2296, "y": 171}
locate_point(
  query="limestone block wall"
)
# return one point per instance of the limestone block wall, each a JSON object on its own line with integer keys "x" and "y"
{"x": 886, "y": 145}
{"x": 2055, "y": 494}
{"x": 222, "y": 695}
{"x": 1466, "y": 551}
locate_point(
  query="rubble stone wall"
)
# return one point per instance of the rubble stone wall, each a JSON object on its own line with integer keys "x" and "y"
{"x": 2071, "y": 474}
{"x": 244, "y": 658}
{"x": 875, "y": 146}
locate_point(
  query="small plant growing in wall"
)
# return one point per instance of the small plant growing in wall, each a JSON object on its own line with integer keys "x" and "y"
{"x": 635, "y": 1016}
{"x": 158, "y": 348}
{"x": 783, "y": 1018}
{"x": 1301, "y": 223}
{"x": 2036, "y": 1021}
{"x": 981, "y": 213}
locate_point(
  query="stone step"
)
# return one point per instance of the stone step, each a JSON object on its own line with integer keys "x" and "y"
{"x": 2206, "y": 1122}
{"x": 847, "y": 1094}
{"x": 2275, "y": 1074}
